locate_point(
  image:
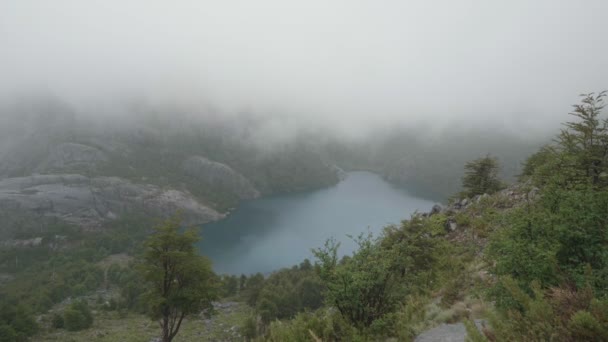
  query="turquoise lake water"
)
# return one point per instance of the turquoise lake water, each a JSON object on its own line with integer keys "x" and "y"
{"x": 266, "y": 234}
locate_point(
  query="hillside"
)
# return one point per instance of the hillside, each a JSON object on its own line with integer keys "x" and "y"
{"x": 464, "y": 225}
{"x": 56, "y": 167}
{"x": 525, "y": 261}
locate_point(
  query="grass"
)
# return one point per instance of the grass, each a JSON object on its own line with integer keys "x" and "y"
{"x": 113, "y": 327}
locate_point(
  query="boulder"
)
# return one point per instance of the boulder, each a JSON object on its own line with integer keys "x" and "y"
{"x": 435, "y": 210}
{"x": 451, "y": 225}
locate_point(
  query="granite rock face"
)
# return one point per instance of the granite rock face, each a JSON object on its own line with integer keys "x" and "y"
{"x": 87, "y": 202}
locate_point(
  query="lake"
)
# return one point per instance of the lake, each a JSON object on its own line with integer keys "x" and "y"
{"x": 265, "y": 234}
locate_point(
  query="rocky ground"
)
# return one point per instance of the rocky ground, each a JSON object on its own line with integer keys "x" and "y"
{"x": 447, "y": 333}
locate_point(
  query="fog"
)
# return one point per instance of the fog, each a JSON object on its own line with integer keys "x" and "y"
{"x": 348, "y": 65}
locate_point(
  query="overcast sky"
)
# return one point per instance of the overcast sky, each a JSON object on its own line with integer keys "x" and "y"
{"x": 329, "y": 60}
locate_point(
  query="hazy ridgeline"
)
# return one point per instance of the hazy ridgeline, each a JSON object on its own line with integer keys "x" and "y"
{"x": 148, "y": 142}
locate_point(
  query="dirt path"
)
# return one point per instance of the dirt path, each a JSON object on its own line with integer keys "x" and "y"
{"x": 446, "y": 333}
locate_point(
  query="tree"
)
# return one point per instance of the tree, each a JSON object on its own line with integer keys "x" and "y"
{"x": 587, "y": 139}
{"x": 481, "y": 176}
{"x": 180, "y": 282}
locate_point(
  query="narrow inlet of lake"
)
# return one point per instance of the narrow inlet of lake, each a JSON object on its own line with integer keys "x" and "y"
{"x": 265, "y": 234}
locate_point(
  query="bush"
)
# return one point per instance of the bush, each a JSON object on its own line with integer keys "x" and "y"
{"x": 555, "y": 314}
{"x": 285, "y": 292}
{"x": 249, "y": 329}
{"x": 324, "y": 325}
{"x": 7, "y": 333}
{"x": 381, "y": 273}
{"x": 57, "y": 321}
{"x": 78, "y": 316}
{"x": 585, "y": 327}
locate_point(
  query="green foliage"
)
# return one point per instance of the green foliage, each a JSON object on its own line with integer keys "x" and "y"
{"x": 437, "y": 224}
{"x": 587, "y": 139}
{"x": 57, "y": 321}
{"x": 249, "y": 328}
{"x": 536, "y": 163}
{"x": 362, "y": 288}
{"x": 555, "y": 239}
{"x": 473, "y": 334}
{"x": 554, "y": 314}
{"x": 65, "y": 265}
{"x": 481, "y": 176}
{"x": 77, "y": 316}
{"x": 526, "y": 250}
{"x": 252, "y": 288}
{"x": 409, "y": 319}
{"x": 381, "y": 273}
{"x": 180, "y": 282}
{"x": 7, "y": 333}
{"x": 18, "y": 318}
{"x": 585, "y": 327}
{"x": 285, "y": 292}
{"x": 229, "y": 285}
{"x": 580, "y": 155}
{"x": 322, "y": 325}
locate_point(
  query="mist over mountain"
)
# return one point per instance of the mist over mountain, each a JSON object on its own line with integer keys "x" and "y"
{"x": 124, "y": 123}
{"x": 351, "y": 66}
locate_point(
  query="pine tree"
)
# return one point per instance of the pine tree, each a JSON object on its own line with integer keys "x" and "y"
{"x": 587, "y": 139}
{"x": 481, "y": 176}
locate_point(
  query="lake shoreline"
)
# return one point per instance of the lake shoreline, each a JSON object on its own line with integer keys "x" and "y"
{"x": 271, "y": 232}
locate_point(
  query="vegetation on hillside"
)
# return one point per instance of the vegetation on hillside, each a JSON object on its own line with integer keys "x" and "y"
{"x": 530, "y": 259}
{"x": 481, "y": 177}
{"x": 536, "y": 250}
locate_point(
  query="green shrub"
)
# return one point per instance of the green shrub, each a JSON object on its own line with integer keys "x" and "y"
{"x": 74, "y": 320}
{"x": 584, "y": 327}
{"x": 57, "y": 321}
{"x": 325, "y": 324}
{"x": 555, "y": 314}
{"x": 7, "y": 333}
{"x": 77, "y": 316}
{"x": 249, "y": 328}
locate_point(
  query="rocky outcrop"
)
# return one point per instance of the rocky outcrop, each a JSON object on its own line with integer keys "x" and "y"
{"x": 87, "y": 202}
{"x": 512, "y": 196}
{"x": 71, "y": 156}
{"x": 220, "y": 176}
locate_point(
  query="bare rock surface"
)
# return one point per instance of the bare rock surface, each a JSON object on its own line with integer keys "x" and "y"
{"x": 447, "y": 333}
{"x": 87, "y": 202}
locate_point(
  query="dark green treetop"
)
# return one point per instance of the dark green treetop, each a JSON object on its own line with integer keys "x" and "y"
{"x": 481, "y": 176}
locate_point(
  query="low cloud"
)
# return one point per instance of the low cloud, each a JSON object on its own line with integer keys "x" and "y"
{"x": 345, "y": 65}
